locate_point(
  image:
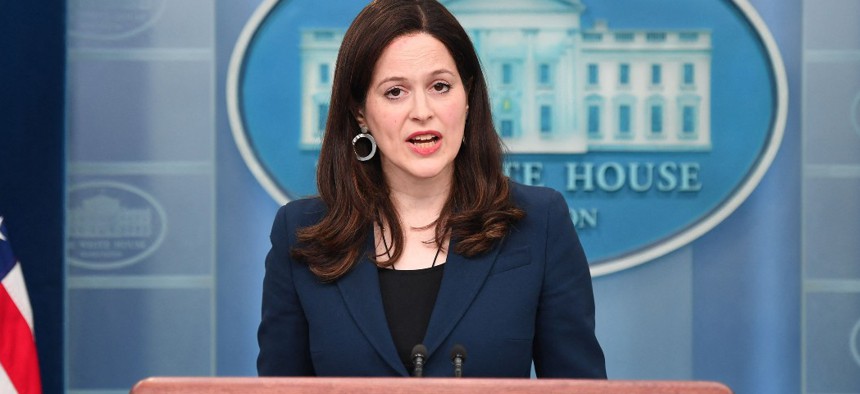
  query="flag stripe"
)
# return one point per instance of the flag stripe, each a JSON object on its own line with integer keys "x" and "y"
{"x": 14, "y": 284}
{"x": 5, "y": 384}
{"x": 17, "y": 347}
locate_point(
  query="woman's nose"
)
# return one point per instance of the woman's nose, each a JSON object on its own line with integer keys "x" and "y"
{"x": 421, "y": 110}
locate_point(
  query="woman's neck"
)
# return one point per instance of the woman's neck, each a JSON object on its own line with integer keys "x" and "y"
{"x": 419, "y": 206}
{"x": 419, "y": 202}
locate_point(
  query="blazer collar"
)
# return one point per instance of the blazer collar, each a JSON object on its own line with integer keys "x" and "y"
{"x": 360, "y": 291}
{"x": 461, "y": 281}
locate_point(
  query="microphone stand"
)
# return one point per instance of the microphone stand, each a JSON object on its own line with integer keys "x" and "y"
{"x": 458, "y": 357}
{"x": 419, "y": 355}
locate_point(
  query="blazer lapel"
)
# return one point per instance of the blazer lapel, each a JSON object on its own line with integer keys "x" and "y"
{"x": 360, "y": 291}
{"x": 462, "y": 280}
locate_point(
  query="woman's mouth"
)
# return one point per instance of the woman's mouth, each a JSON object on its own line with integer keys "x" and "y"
{"x": 424, "y": 140}
{"x": 425, "y": 143}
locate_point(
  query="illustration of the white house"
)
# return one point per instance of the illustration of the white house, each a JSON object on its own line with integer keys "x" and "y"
{"x": 101, "y": 216}
{"x": 556, "y": 87}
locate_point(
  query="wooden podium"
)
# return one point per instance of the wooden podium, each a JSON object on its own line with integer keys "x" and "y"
{"x": 307, "y": 385}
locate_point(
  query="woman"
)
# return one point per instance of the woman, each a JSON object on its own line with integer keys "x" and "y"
{"x": 417, "y": 237}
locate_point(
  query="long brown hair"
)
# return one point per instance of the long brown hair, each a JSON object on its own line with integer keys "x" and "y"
{"x": 479, "y": 210}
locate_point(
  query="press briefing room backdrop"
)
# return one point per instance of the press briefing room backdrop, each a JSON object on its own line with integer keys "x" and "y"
{"x": 709, "y": 151}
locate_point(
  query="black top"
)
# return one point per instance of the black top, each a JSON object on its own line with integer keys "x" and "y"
{"x": 408, "y": 297}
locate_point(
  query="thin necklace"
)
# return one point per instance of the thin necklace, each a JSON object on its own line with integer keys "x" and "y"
{"x": 388, "y": 250}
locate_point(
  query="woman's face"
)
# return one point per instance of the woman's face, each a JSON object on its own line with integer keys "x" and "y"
{"x": 416, "y": 109}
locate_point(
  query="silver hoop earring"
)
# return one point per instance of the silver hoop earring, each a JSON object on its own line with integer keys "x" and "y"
{"x": 370, "y": 139}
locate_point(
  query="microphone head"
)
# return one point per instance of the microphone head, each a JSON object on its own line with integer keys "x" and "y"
{"x": 458, "y": 351}
{"x": 419, "y": 350}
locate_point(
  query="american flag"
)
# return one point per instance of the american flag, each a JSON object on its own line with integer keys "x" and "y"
{"x": 19, "y": 364}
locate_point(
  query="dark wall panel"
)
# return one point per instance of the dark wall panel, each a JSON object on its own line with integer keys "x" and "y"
{"x": 32, "y": 64}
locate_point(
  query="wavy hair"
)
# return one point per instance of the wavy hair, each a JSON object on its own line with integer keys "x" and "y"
{"x": 479, "y": 210}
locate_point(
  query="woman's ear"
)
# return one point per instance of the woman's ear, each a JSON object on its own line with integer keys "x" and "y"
{"x": 359, "y": 117}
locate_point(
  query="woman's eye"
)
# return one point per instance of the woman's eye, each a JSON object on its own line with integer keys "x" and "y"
{"x": 441, "y": 87}
{"x": 394, "y": 93}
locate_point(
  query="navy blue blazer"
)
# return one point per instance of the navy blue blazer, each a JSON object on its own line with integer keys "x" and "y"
{"x": 528, "y": 299}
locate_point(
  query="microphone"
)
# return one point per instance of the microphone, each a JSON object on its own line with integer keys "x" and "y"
{"x": 458, "y": 357}
{"x": 419, "y": 354}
